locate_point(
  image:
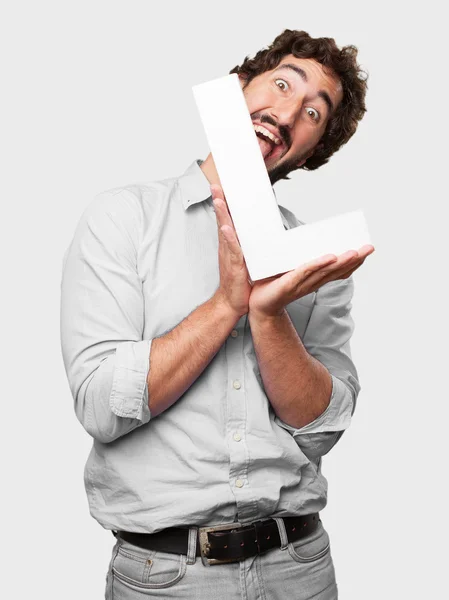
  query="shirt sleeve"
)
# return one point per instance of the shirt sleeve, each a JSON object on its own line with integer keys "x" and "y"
{"x": 327, "y": 338}
{"x": 102, "y": 318}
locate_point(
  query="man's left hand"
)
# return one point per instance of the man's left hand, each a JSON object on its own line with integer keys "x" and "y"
{"x": 269, "y": 296}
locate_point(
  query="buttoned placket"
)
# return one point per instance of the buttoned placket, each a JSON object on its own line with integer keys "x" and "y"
{"x": 237, "y": 408}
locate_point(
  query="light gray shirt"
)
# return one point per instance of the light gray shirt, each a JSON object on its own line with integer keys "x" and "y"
{"x": 142, "y": 258}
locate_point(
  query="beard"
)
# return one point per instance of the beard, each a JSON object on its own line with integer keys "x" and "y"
{"x": 282, "y": 169}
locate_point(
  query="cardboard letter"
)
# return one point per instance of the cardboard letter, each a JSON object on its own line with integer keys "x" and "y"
{"x": 267, "y": 247}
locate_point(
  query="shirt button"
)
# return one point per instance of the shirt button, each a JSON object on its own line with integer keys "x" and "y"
{"x": 237, "y": 385}
{"x": 234, "y": 333}
{"x": 237, "y": 437}
{"x": 239, "y": 483}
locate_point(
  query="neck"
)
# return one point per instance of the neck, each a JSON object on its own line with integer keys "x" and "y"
{"x": 209, "y": 170}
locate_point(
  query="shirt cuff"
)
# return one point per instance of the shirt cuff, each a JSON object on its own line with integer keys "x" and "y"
{"x": 336, "y": 417}
{"x": 129, "y": 396}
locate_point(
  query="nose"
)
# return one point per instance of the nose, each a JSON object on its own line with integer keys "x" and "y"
{"x": 287, "y": 111}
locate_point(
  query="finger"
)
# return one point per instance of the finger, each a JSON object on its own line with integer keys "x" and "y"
{"x": 366, "y": 250}
{"x": 345, "y": 273}
{"x": 217, "y": 203}
{"x": 332, "y": 259}
{"x": 341, "y": 267}
{"x": 350, "y": 261}
{"x": 223, "y": 212}
{"x": 331, "y": 270}
{"x": 351, "y": 271}
{"x": 233, "y": 244}
{"x": 342, "y": 273}
{"x": 363, "y": 254}
{"x": 227, "y": 230}
{"x": 216, "y": 190}
{"x": 217, "y": 197}
{"x": 310, "y": 267}
{"x": 292, "y": 279}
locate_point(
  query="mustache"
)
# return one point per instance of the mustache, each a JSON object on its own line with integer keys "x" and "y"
{"x": 283, "y": 131}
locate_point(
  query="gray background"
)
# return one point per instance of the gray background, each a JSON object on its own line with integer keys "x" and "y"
{"x": 98, "y": 94}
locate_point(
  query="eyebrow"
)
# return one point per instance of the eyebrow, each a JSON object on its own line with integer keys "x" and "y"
{"x": 322, "y": 94}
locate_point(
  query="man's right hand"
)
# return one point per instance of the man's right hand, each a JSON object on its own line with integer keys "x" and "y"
{"x": 235, "y": 287}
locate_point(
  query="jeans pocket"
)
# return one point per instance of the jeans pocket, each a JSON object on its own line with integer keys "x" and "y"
{"x": 140, "y": 569}
{"x": 312, "y": 547}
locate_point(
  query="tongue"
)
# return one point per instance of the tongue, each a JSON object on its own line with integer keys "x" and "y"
{"x": 265, "y": 147}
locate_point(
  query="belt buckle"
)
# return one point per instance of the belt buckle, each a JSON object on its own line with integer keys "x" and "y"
{"x": 204, "y": 543}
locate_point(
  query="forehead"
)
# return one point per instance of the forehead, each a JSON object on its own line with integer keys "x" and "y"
{"x": 318, "y": 76}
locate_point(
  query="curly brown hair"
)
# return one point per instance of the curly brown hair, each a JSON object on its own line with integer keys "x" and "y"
{"x": 341, "y": 62}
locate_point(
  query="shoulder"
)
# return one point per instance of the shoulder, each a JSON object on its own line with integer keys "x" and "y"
{"x": 133, "y": 198}
{"x": 131, "y": 204}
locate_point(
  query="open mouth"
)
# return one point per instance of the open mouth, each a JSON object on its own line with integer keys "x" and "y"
{"x": 269, "y": 147}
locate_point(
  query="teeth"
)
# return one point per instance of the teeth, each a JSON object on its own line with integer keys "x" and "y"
{"x": 267, "y": 133}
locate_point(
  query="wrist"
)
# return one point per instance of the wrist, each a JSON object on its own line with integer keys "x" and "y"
{"x": 256, "y": 314}
{"x": 221, "y": 305}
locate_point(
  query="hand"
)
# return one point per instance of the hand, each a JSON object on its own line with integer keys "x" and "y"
{"x": 269, "y": 296}
{"x": 235, "y": 287}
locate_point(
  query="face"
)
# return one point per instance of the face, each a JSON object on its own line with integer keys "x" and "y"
{"x": 295, "y": 104}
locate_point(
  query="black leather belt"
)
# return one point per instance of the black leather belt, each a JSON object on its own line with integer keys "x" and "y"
{"x": 225, "y": 543}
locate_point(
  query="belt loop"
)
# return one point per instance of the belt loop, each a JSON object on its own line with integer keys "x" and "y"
{"x": 282, "y": 532}
{"x": 191, "y": 549}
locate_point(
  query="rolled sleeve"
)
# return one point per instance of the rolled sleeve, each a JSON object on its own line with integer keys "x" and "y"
{"x": 337, "y": 415}
{"x": 327, "y": 338}
{"x": 102, "y": 318}
{"x": 129, "y": 396}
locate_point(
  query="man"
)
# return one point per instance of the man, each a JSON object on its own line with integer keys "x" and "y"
{"x": 211, "y": 399}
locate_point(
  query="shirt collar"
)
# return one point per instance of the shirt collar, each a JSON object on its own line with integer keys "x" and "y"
{"x": 195, "y": 187}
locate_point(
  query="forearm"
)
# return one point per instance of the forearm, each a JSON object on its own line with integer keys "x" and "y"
{"x": 298, "y": 386}
{"x": 181, "y": 355}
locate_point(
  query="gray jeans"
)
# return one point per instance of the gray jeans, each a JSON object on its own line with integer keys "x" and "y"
{"x": 296, "y": 571}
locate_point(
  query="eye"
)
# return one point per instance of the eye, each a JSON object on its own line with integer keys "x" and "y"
{"x": 315, "y": 114}
{"x": 283, "y": 81}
